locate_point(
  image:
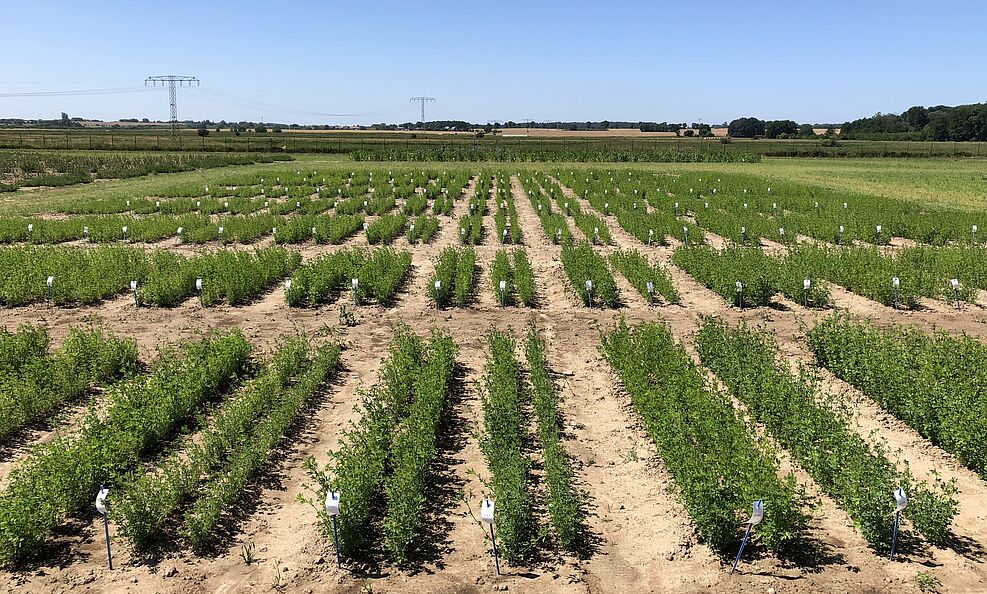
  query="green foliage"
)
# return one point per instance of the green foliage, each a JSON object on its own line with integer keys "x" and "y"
{"x": 761, "y": 276}
{"x": 60, "y": 477}
{"x": 524, "y": 279}
{"x": 581, "y": 263}
{"x": 503, "y": 442}
{"x": 386, "y": 229}
{"x": 414, "y": 448}
{"x": 718, "y": 465}
{"x": 563, "y": 501}
{"x": 819, "y": 437}
{"x": 422, "y": 229}
{"x": 639, "y": 272}
{"x": 933, "y": 382}
{"x": 380, "y": 272}
{"x": 384, "y": 461}
{"x": 149, "y": 500}
{"x": 454, "y": 270}
{"x": 227, "y": 486}
{"x": 81, "y": 276}
{"x": 34, "y": 383}
{"x": 230, "y": 276}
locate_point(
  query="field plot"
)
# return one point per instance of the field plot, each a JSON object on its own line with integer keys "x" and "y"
{"x": 624, "y": 358}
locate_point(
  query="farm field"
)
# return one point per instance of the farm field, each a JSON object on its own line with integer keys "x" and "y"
{"x": 624, "y": 356}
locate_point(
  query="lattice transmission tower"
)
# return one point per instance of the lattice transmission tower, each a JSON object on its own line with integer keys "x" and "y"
{"x": 423, "y": 100}
{"x": 173, "y": 81}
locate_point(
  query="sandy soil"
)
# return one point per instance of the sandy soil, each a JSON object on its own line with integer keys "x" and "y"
{"x": 642, "y": 538}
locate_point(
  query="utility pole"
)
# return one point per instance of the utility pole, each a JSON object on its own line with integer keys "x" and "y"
{"x": 173, "y": 82}
{"x": 423, "y": 100}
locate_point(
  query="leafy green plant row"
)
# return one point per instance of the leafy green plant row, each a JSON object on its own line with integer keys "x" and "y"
{"x": 415, "y": 448}
{"x": 227, "y": 487}
{"x": 761, "y": 276}
{"x": 555, "y": 225}
{"x": 563, "y": 502}
{"x": 639, "y": 271}
{"x": 383, "y": 464}
{"x": 505, "y": 216}
{"x": 379, "y": 273}
{"x": 454, "y": 280}
{"x": 147, "y": 507}
{"x": 818, "y": 434}
{"x": 59, "y": 478}
{"x": 34, "y": 382}
{"x": 936, "y": 383}
{"x": 503, "y": 443}
{"x": 422, "y": 229}
{"x": 196, "y": 229}
{"x": 583, "y": 265}
{"x": 230, "y": 276}
{"x": 513, "y": 269}
{"x": 718, "y": 464}
{"x": 386, "y": 229}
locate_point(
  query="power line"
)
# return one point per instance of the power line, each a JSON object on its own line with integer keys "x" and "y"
{"x": 173, "y": 82}
{"x": 227, "y": 99}
{"x": 114, "y": 91}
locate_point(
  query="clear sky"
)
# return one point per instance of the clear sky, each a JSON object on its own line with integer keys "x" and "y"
{"x": 288, "y": 61}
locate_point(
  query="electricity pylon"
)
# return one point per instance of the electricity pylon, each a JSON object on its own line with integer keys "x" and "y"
{"x": 173, "y": 82}
{"x": 423, "y": 100}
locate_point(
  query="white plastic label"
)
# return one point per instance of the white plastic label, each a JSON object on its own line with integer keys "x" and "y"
{"x": 101, "y": 500}
{"x": 355, "y": 282}
{"x": 180, "y": 229}
{"x": 974, "y": 228}
{"x": 198, "y": 284}
{"x": 955, "y": 282}
{"x": 30, "y": 227}
{"x": 589, "y": 285}
{"x": 487, "y": 511}
{"x": 806, "y": 284}
{"x": 274, "y": 231}
{"x": 503, "y": 286}
{"x": 841, "y": 228}
{"x": 332, "y": 503}
{"x": 133, "y": 285}
{"x": 757, "y": 514}
{"x": 896, "y": 281}
{"x": 51, "y": 280}
{"x": 220, "y": 230}
{"x": 878, "y": 228}
{"x": 287, "y": 285}
{"x": 124, "y": 229}
{"x": 900, "y": 500}
{"x": 438, "y": 285}
{"x": 651, "y": 288}
{"x": 740, "y": 286}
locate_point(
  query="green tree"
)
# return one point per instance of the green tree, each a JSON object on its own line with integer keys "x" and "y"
{"x": 777, "y": 128}
{"x": 746, "y": 128}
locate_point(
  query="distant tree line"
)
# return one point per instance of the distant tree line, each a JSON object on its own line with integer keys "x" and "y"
{"x": 755, "y": 128}
{"x": 939, "y": 123}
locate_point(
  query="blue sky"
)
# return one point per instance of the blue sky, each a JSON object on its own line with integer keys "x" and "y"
{"x": 620, "y": 60}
